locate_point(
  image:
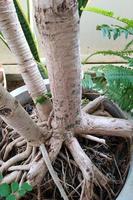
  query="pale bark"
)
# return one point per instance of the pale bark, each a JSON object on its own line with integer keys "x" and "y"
{"x": 39, "y": 169}
{"x": 12, "y": 31}
{"x": 93, "y": 105}
{"x": 91, "y": 124}
{"x": 19, "y": 157}
{"x": 15, "y": 116}
{"x": 58, "y": 24}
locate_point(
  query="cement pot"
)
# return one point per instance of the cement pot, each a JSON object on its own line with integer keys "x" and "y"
{"x": 23, "y": 96}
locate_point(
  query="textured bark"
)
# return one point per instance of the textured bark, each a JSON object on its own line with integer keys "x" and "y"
{"x": 58, "y": 24}
{"x": 12, "y": 31}
{"x": 15, "y": 116}
{"x": 93, "y": 105}
{"x": 39, "y": 169}
{"x": 91, "y": 124}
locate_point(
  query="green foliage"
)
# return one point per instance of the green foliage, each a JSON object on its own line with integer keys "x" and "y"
{"x": 123, "y": 54}
{"x": 81, "y": 4}
{"x": 128, "y": 45}
{"x": 114, "y": 81}
{"x": 10, "y": 191}
{"x": 99, "y": 11}
{"x": 108, "y": 13}
{"x": 43, "y": 98}
{"x": 114, "y": 31}
{"x": 5, "y": 190}
{"x": 14, "y": 187}
{"x": 29, "y": 37}
{"x": 26, "y": 29}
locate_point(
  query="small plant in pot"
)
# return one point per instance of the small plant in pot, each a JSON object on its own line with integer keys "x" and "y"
{"x": 51, "y": 149}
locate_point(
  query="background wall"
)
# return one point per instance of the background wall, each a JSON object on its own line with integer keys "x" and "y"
{"x": 91, "y": 40}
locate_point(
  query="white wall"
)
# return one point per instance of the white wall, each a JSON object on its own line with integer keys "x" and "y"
{"x": 91, "y": 40}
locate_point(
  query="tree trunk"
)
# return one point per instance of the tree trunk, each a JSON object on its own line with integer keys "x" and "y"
{"x": 14, "y": 115}
{"x": 58, "y": 24}
{"x": 12, "y": 31}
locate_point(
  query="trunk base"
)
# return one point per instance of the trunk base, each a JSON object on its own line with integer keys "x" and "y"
{"x": 104, "y": 156}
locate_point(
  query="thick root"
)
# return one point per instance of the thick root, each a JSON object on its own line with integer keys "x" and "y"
{"x": 93, "y": 138}
{"x": 89, "y": 170}
{"x": 17, "y": 158}
{"x": 38, "y": 168}
{"x": 93, "y": 105}
{"x": 10, "y": 177}
{"x": 10, "y": 147}
{"x": 91, "y": 124}
{"x": 84, "y": 164}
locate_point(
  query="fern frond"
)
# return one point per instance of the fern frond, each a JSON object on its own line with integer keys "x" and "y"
{"x": 128, "y": 45}
{"x": 108, "y": 13}
{"x": 114, "y": 30}
{"x": 116, "y": 82}
{"x": 122, "y": 54}
{"x": 99, "y": 11}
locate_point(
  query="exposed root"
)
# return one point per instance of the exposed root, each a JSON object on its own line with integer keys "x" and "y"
{"x": 10, "y": 147}
{"x": 20, "y": 168}
{"x": 98, "y": 125}
{"x": 10, "y": 177}
{"x": 39, "y": 169}
{"x": 93, "y": 138}
{"x": 89, "y": 170}
{"x": 23, "y": 178}
{"x": 93, "y": 105}
{"x": 21, "y": 143}
{"x": 84, "y": 164}
{"x": 52, "y": 172}
{"x": 16, "y": 159}
{"x": 34, "y": 168}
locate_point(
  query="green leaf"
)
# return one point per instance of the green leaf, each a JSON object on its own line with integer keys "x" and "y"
{"x": 126, "y": 33}
{"x": 27, "y": 187}
{"x": 21, "y": 192}
{"x": 42, "y": 99}
{"x": 116, "y": 33}
{"x": 107, "y": 13}
{"x": 11, "y": 197}
{"x": 14, "y": 187}
{"x": 4, "y": 190}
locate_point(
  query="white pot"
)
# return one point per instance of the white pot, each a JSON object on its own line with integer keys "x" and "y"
{"x": 126, "y": 193}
